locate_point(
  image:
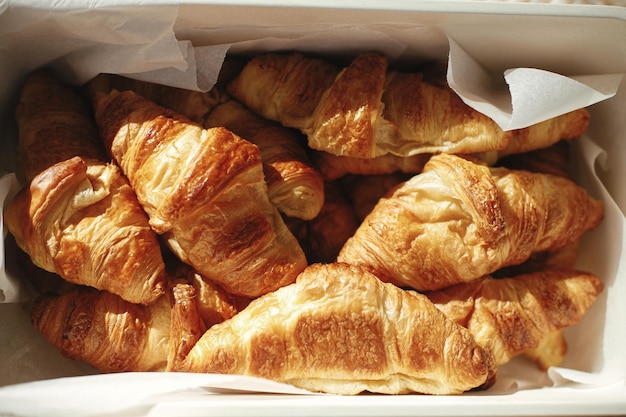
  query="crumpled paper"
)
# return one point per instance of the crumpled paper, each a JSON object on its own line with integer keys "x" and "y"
{"x": 128, "y": 41}
{"x": 524, "y": 96}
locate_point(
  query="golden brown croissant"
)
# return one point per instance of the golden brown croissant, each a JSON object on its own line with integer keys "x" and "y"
{"x": 214, "y": 304}
{"x": 54, "y": 125}
{"x": 364, "y": 191}
{"x": 295, "y": 186}
{"x": 85, "y": 224}
{"x": 186, "y": 323}
{"x": 79, "y": 217}
{"x": 339, "y": 329}
{"x": 458, "y": 221}
{"x": 105, "y": 331}
{"x": 547, "y": 133}
{"x": 550, "y": 351}
{"x": 204, "y": 190}
{"x": 323, "y": 237}
{"x": 367, "y": 111}
{"x": 437, "y": 117}
{"x": 333, "y": 167}
{"x": 195, "y": 105}
{"x": 508, "y": 316}
{"x": 554, "y": 160}
{"x": 284, "y": 88}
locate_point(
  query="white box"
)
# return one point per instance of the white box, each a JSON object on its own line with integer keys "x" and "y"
{"x": 579, "y": 40}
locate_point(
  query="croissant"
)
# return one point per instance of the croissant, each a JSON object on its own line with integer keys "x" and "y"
{"x": 295, "y": 186}
{"x": 333, "y": 167}
{"x": 323, "y": 237}
{"x": 554, "y": 160}
{"x": 54, "y": 125}
{"x": 458, "y": 221}
{"x": 204, "y": 191}
{"x": 509, "y": 316}
{"x": 340, "y": 330}
{"x": 550, "y": 351}
{"x": 365, "y": 111}
{"x": 186, "y": 323}
{"x": 105, "y": 331}
{"x": 195, "y": 105}
{"x": 439, "y": 121}
{"x": 78, "y": 217}
{"x": 84, "y": 223}
{"x": 364, "y": 191}
{"x": 213, "y": 303}
{"x": 285, "y": 88}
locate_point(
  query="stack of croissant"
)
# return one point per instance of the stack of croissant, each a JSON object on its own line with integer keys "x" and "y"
{"x": 343, "y": 229}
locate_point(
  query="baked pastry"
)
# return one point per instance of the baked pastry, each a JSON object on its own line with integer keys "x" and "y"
{"x": 286, "y": 88}
{"x": 114, "y": 335}
{"x": 554, "y": 160}
{"x": 105, "y": 331}
{"x": 333, "y": 167}
{"x": 341, "y": 330}
{"x": 213, "y": 303}
{"x": 54, "y": 125}
{"x": 77, "y": 216}
{"x": 366, "y": 111}
{"x": 85, "y": 224}
{"x": 550, "y": 351}
{"x": 186, "y": 322}
{"x": 458, "y": 221}
{"x": 509, "y": 316}
{"x": 364, "y": 191}
{"x": 323, "y": 237}
{"x": 294, "y": 185}
{"x": 195, "y": 105}
{"x": 204, "y": 191}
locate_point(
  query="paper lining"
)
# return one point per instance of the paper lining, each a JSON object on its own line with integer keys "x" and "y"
{"x": 178, "y": 63}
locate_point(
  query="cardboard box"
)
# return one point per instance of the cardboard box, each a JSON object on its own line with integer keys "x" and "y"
{"x": 181, "y": 44}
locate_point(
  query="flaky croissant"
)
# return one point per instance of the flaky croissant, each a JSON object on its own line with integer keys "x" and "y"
{"x": 114, "y": 335}
{"x": 85, "y": 224}
{"x": 186, "y": 322}
{"x": 333, "y": 167}
{"x": 213, "y": 303}
{"x": 195, "y": 105}
{"x": 323, "y": 237}
{"x": 364, "y": 191}
{"x": 339, "y": 329}
{"x": 54, "y": 125}
{"x": 550, "y": 351}
{"x": 105, "y": 331}
{"x": 555, "y": 160}
{"x": 365, "y": 111}
{"x": 78, "y": 216}
{"x": 205, "y": 191}
{"x": 509, "y": 316}
{"x": 458, "y": 221}
{"x": 295, "y": 186}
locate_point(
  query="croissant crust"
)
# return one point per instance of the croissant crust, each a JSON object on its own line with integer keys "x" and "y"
{"x": 459, "y": 221}
{"x": 204, "y": 190}
{"x": 105, "y": 331}
{"x": 339, "y": 329}
{"x": 365, "y": 111}
{"x": 510, "y": 316}
{"x": 85, "y": 224}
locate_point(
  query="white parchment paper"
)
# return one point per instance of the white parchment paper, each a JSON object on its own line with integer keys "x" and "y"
{"x": 81, "y": 42}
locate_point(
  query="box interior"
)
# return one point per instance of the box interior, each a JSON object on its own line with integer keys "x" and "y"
{"x": 571, "y": 41}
